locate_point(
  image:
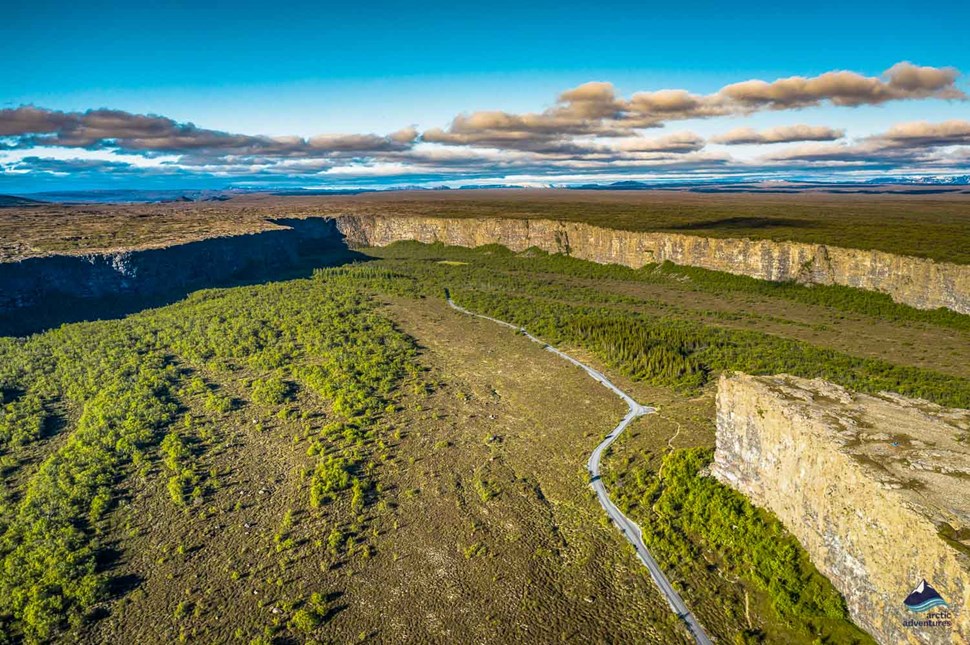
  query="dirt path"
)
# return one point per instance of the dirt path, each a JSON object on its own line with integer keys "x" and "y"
{"x": 629, "y": 528}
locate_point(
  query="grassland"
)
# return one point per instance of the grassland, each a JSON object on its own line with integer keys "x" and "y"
{"x": 924, "y": 225}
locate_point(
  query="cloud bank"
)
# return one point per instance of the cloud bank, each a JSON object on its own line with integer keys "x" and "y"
{"x": 590, "y": 130}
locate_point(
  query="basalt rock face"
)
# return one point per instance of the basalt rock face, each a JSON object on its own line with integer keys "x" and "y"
{"x": 44, "y": 281}
{"x": 917, "y": 282}
{"x": 875, "y": 488}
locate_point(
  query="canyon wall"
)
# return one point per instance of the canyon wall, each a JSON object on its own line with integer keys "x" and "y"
{"x": 63, "y": 282}
{"x": 875, "y": 488}
{"x": 917, "y": 282}
{"x": 41, "y": 281}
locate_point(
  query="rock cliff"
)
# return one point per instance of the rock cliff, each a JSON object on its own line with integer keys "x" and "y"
{"x": 37, "y": 280}
{"x": 917, "y": 282}
{"x": 874, "y": 487}
{"x": 65, "y": 281}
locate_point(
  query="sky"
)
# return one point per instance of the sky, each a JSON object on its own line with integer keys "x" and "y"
{"x": 153, "y": 95}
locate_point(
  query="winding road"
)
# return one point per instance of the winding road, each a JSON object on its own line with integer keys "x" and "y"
{"x": 628, "y": 527}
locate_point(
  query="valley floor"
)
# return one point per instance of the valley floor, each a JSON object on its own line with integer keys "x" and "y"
{"x": 492, "y": 534}
{"x": 346, "y": 458}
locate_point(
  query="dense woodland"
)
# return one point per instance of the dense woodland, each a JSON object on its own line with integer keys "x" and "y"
{"x": 665, "y": 350}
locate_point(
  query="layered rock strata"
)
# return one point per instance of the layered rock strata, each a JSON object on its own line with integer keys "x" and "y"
{"x": 917, "y": 282}
{"x": 33, "y": 281}
{"x": 875, "y": 488}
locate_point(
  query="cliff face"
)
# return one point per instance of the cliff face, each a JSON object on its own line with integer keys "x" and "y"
{"x": 874, "y": 487}
{"x": 913, "y": 281}
{"x": 48, "y": 281}
{"x": 917, "y": 282}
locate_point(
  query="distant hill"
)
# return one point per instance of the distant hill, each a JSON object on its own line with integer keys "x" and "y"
{"x": 113, "y": 196}
{"x": 13, "y": 200}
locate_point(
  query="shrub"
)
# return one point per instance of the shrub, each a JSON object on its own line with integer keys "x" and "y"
{"x": 270, "y": 391}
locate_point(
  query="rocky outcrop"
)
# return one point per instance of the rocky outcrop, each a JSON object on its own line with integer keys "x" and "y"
{"x": 917, "y": 282}
{"x": 875, "y": 488}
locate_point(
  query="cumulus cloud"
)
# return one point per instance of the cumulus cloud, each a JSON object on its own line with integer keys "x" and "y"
{"x": 781, "y": 134}
{"x": 29, "y": 119}
{"x": 589, "y": 129}
{"x": 400, "y": 140}
{"x": 594, "y": 109}
{"x": 678, "y": 142}
{"x": 901, "y": 81}
{"x": 69, "y": 166}
{"x": 30, "y": 127}
{"x": 919, "y": 142}
{"x": 924, "y": 134}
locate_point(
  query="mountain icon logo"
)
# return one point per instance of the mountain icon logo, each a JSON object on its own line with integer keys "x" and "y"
{"x": 923, "y": 598}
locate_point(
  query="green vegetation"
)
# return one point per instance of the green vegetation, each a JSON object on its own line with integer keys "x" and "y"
{"x": 686, "y": 517}
{"x": 21, "y": 420}
{"x": 475, "y": 550}
{"x": 48, "y": 546}
{"x": 133, "y": 383}
{"x": 270, "y": 391}
{"x": 664, "y": 350}
{"x": 682, "y": 354}
{"x": 183, "y": 481}
{"x": 486, "y": 490}
{"x": 532, "y": 265}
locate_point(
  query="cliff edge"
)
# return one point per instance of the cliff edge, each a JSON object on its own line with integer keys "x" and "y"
{"x": 918, "y": 282}
{"x": 874, "y": 487}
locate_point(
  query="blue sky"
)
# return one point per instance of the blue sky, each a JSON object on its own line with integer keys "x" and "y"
{"x": 305, "y": 69}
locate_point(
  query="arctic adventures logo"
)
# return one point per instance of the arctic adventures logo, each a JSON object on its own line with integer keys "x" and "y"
{"x": 922, "y": 599}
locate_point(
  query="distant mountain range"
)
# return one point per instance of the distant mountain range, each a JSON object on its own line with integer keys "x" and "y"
{"x": 939, "y": 180}
{"x": 925, "y": 184}
{"x": 122, "y": 196}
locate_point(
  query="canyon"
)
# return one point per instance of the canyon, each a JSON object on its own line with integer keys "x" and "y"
{"x": 917, "y": 282}
{"x": 92, "y": 274}
{"x": 873, "y": 487}
{"x": 36, "y": 292}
